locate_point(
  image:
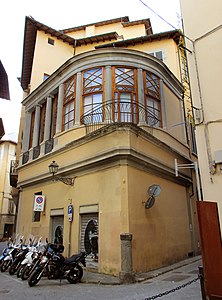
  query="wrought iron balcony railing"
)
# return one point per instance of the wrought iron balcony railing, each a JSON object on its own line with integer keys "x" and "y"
{"x": 120, "y": 112}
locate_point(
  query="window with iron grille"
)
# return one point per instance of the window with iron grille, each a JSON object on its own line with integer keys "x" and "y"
{"x": 152, "y": 99}
{"x": 69, "y": 103}
{"x": 92, "y": 91}
{"x": 124, "y": 90}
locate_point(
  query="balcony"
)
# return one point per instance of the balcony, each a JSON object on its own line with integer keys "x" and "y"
{"x": 120, "y": 112}
{"x": 13, "y": 173}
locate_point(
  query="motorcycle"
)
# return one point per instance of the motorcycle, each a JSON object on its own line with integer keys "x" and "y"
{"x": 18, "y": 258}
{"x": 9, "y": 258}
{"x": 32, "y": 259}
{"x": 5, "y": 251}
{"x": 53, "y": 265}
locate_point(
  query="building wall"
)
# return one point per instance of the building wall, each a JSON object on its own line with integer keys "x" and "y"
{"x": 7, "y": 207}
{"x": 117, "y": 183}
{"x": 57, "y": 54}
{"x": 204, "y": 29}
{"x": 114, "y": 165}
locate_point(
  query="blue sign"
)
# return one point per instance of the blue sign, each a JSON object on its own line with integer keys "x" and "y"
{"x": 70, "y": 212}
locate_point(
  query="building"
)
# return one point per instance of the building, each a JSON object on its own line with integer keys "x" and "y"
{"x": 203, "y": 39}
{"x": 7, "y": 205}
{"x": 104, "y": 108}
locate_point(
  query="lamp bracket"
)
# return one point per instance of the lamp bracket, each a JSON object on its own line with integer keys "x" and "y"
{"x": 65, "y": 180}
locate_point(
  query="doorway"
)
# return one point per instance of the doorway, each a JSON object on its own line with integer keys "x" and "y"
{"x": 57, "y": 229}
{"x": 89, "y": 238}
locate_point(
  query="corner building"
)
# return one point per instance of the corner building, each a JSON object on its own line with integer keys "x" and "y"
{"x": 111, "y": 114}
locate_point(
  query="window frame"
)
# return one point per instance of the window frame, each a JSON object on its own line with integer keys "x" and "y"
{"x": 68, "y": 100}
{"x": 153, "y": 94}
{"x": 97, "y": 89}
{"x": 131, "y": 90}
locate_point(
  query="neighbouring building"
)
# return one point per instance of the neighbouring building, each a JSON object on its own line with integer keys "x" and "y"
{"x": 7, "y": 205}
{"x": 203, "y": 32}
{"x": 104, "y": 105}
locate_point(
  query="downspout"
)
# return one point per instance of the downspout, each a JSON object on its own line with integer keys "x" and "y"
{"x": 212, "y": 169}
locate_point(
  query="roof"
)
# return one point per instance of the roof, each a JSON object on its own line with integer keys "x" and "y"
{"x": 174, "y": 34}
{"x": 2, "y": 131}
{"x": 4, "y": 87}
{"x": 97, "y": 24}
{"x": 31, "y": 27}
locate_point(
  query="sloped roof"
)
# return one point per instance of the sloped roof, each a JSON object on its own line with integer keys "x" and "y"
{"x": 2, "y": 131}
{"x": 31, "y": 27}
{"x": 4, "y": 87}
{"x": 97, "y": 24}
{"x": 174, "y": 34}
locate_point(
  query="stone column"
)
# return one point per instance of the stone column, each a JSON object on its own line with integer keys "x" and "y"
{"x": 48, "y": 118}
{"x": 141, "y": 96}
{"x": 59, "y": 108}
{"x": 126, "y": 275}
{"x": 108, "y": 94}
{"x": 26, "y": 132}
{"x": 36, "y": 126}
{"x": 78, "y": 98}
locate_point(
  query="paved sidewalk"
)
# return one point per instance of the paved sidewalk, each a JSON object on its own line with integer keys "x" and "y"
{"x": 97, "y": 278}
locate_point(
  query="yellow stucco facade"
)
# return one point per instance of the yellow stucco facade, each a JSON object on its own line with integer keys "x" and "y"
{"x": 113, "y": 120}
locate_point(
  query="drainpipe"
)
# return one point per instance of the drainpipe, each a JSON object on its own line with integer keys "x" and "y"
{"x": 206, "y": 131}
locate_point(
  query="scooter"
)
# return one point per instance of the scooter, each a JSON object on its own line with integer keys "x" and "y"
{"x": 54, "y": 266}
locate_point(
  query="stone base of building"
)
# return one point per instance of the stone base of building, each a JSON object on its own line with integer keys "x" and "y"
{"x": 127, "y": 277}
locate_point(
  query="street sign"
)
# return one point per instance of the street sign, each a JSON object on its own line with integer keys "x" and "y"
{"x": 70, "y": 213}
{"x": 39, "y": 202}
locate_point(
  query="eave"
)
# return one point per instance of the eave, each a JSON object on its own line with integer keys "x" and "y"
{"x": 31, "y": 28}
{"x": 97, "y": 24}
{"x": 175, "y": 35}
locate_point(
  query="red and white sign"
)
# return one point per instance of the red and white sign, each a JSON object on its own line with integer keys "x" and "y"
{"x": 39, "y": 203}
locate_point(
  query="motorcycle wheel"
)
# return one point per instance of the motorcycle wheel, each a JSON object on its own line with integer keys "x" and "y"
{"x": 75, "y": 274}
{"x": 34, "y": 277}
{"x": 5, "y": 265}
{"x": 20, "y": 270}
{"x": 14, "y": 267}
{"x": 26, "y": 272}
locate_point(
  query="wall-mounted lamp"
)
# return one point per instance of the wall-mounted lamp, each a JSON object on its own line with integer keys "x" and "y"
{"x": 53, "y": 169}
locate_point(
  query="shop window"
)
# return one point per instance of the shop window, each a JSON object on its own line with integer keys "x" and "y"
{"x": 69, "y": 103}
{"x": 152, "y": 99}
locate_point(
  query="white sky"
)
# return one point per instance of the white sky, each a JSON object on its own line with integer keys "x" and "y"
{"x": 61, "y": 15}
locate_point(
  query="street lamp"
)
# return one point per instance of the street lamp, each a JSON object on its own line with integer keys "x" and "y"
{"x": 53, "y": 169}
